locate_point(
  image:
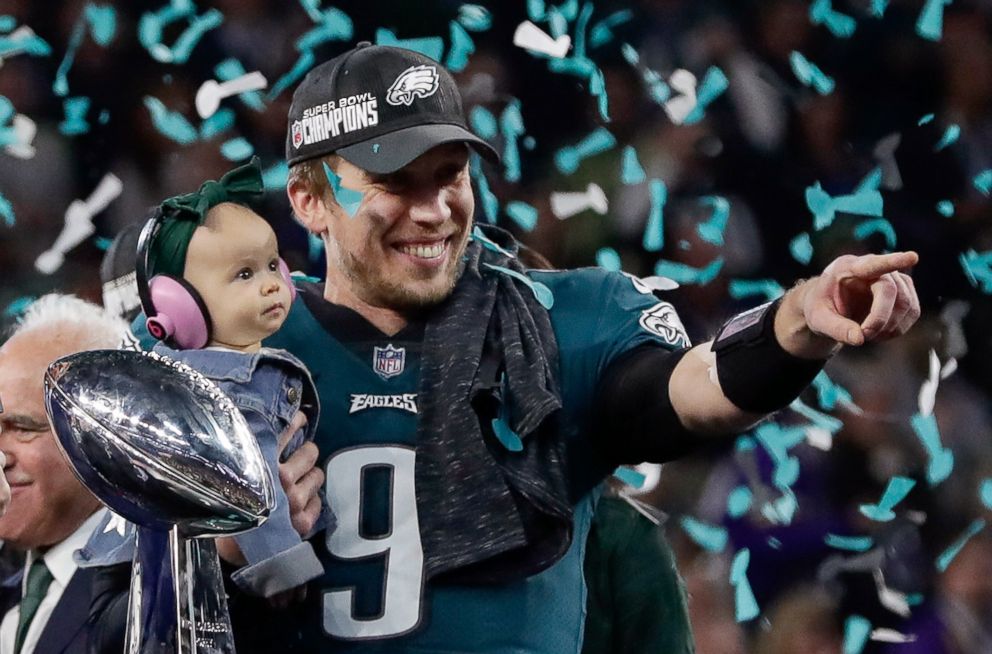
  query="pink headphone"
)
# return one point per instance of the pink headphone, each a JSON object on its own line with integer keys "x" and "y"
{"x": 175, "y": 312}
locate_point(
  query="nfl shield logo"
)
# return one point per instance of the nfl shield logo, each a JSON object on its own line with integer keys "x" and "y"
{"x": 388, "y": 361}
{"x": 297, "y": 134}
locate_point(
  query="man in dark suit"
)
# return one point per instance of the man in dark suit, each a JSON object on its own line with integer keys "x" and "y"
{"x": 50, "y": 513}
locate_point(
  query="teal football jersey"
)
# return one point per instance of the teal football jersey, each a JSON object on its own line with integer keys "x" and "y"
{"x": 373, "y": 596}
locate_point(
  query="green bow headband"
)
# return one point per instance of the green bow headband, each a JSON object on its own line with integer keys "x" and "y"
{"x": 182, "y": 214}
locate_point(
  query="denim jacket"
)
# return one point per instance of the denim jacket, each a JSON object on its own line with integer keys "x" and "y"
{"x": 268, "y": 386}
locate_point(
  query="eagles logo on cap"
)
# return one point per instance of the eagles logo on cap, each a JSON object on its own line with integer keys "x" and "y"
{"x": 414, "y": 82}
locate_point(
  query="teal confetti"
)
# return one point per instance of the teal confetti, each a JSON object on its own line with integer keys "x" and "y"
{"x": 61, "y": 84}
{"x": 809, "y": 74}
{"x": 18, "y": 306}
{"x": 31, "y": 44}
{"x": 930, "y": 24}
{"x": 830, "y": 394}
{"x": 529, "y": 142}
{"x": 312, "y": 7}
{"x": 511, "y": 125}
{"x": 104, "y": 117}
{"x": 739, "y": 501}
{"x": 710, "y": 537}
{"x": 542, "y": 293}
{"x": 849, "y": 543}
{"x": 896, "y": 490}
{"x": 299, "y": 69}
{"x": 878, "y": 8}
{"x": 877, "y": 226}
{"x": 483, "y": 122}
{"x": 332, "y": 25}
{"x": 103, "y": 23}
{"x": 568, "y": 9}
{"x": 948, "y": 555}
{"x": 274, "y": 177}
{"x": 478, "y": 235}
{"x": 169, "y": 123}
{"x": 429, "y": 46}
{"x": 475, "y": 18}
{"x": 801, "y": 248}
{"x": 630, "y": 477}
{"x": 609, "y": 259}
{"x": 865, "y": 201}
{"x": 581, "y": 67}
{"x": 767, "y": 288}
{"x": 925, "y": 119}
{"x": 218, "y": 123}
{"x": 978, "y": 269}
{"x": 183, "y": 47}
{"x": 714, "y": 83}
{"x": 375, "y": 148}
{"x": 945, "y": 208}
{"x": 782, "y": 510}
{"x": 985, "y": 492}
{"x": 300, "y": 277}
{"x": 523, "y": 214}
{"x": 103, "y": 243}
{"x": 712, "y": 230}
{"x": 983, "y": 182}
{"x": 506, "y": 436}
{"x": 232, "y": 69}
{"x": 581, "y": 25}
{"x": 951, "y": 135}
{"x": 602, "y": 32}
{"x": 941, "y": 461}
{"x": 630, "y": 168}
{"x": 818, "y": 418}
{"x": 7, "y": 211}
{"x": 684, "y": 274}
{"x": 349, "y": 199}
{"x": 75, "y": 116}
{"x": 237, "y": 149}
{"x": 462, "y": 47}
{"x": 7, "y": 23}
{"x": 856, "y": 632}
{"x": 840, "y": 25}
{"x": 536, "y": 11}
{"x": 745, "y": 604}
{"x": 557, "y": 23}
{"x": 654, "y": 231}
{"x": 568, "y": 158}
{"x": 490, "y": 203}
{"x": 774, "y": 543}
{"x": 597, "y": 88}
{"x": 315, "y": 246}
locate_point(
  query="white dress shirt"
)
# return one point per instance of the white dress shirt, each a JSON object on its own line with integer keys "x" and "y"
{"x": 59, "y": 561}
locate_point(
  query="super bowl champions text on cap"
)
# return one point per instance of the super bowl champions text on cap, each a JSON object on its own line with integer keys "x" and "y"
{"x": 336, "y": 117}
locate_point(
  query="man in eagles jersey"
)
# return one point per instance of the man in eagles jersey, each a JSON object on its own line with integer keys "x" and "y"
{"x": 472, "y": 406}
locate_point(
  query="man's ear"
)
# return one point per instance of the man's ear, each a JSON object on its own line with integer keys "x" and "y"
{"x": 308, "y": 207}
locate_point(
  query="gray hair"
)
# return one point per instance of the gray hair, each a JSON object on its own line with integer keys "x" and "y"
{"x": 100, "y": 329}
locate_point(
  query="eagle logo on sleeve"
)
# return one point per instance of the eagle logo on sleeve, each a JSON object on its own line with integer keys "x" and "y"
{"x": 662, "y": 320}
{"x": 414, "y": 82}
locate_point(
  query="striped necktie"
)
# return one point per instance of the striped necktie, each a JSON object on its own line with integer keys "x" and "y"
{"x": 39, "y": 578}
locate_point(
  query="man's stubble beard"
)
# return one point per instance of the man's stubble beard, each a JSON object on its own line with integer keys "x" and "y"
{"x": 371, "y": 287}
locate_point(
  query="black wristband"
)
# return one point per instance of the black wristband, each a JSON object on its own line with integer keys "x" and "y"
{"x": 755, "y": 373}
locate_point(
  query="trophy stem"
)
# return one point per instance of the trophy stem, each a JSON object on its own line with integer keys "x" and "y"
{"x": 177, "y": 604}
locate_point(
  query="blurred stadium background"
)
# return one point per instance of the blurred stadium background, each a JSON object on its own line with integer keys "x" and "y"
{"x": 733, "y": 146}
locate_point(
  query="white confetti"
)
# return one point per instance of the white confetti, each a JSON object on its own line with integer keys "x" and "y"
{"x": 531, "y": 37}
{"x": 891, "y": 636}
{"x": 928, "y": 390}
{"x": 567, "y": 204}
{"x": 211, "y": 92}
{"x": 24, "y": 131}
{"x": 79, "y": 223}
{"x": 890, "y": 599}
{"x": 678, "y": 107}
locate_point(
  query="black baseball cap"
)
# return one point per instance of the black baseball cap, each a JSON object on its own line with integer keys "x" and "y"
{"x": 378, "y": 107}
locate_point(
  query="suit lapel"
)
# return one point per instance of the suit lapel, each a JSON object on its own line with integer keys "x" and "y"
{"x": 69, "y": 616}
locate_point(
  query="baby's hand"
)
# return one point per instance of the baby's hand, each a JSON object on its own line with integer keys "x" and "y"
{"x": 301, "y": 478}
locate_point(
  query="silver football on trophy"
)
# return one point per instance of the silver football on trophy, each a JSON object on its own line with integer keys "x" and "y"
{"x": 158, "y": 443}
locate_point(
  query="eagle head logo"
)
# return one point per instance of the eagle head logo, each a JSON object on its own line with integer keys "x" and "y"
{"x": 414, "y": 82}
